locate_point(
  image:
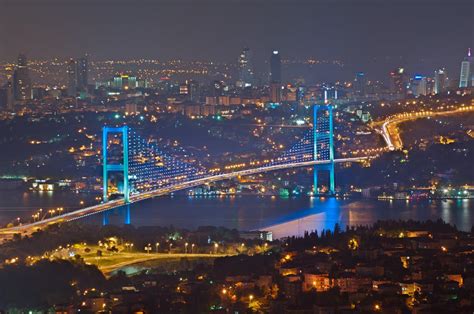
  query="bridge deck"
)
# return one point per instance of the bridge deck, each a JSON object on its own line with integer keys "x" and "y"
{"x": 95, "y": 209}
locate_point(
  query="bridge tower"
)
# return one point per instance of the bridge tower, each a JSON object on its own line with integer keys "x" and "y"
{"x": 323, "y": 144}
{"x": 123, "y": 167}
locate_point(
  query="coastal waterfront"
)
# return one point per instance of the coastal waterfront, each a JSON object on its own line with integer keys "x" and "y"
{"x": 282, "y": 216}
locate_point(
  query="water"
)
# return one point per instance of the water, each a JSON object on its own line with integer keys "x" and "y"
{"x": 282, "y": 216}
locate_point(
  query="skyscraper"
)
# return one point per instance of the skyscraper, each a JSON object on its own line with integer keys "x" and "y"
{"x": 465, "y": 77}
{"x": 71, "y": 78}
{"x": 398, "y": 82}
{"x": 275, "y": 93}
{"x": 82, "y": 69}
{"x": 360, "y": 84}
{"x": 419, "y": 85}
{"x": 275, "y": 67}
{"x": 441, "y": 81}
{"x": 246, "y": 74}
{"x": 21, "y": 79}
{"x": 9, "y": 92}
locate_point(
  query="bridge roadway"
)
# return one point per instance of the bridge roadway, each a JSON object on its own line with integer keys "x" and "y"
{"x": 91, "y": 210}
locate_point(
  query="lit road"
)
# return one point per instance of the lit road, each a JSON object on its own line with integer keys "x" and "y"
{"x": 28, "y": 228}
{"x": 389, "y": 128}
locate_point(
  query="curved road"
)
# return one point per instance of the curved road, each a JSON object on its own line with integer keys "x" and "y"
{"x": 91, "y": 210}
{"x": 389, "y": 130}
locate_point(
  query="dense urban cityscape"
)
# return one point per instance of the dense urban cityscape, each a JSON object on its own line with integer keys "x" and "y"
{"x": 243, "y": 176}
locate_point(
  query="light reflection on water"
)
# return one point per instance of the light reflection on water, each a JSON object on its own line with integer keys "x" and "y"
{"x": 290, "y": 216}
{"x": 282, "y": 216}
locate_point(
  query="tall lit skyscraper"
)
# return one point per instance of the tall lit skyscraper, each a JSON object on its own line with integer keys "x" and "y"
{"x": 82, "y": 69}
{"x": 360, "y": 84}
{"x": 419, "y": 85}
{"x": 246, "y": 74}
{"x": 72, "y": 78}
{"x": 21, "y": 79}
{"x": 275, "y": 67}
{"x": 465, "y": 77}
{"x": 398, "y": 82}
{"x": 441, "y": 81}
{"x": 9, "y": 92}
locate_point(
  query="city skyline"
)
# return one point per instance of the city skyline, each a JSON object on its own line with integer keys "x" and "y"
{"x": 362, "y": 34}
{"x": 236, "y": 156}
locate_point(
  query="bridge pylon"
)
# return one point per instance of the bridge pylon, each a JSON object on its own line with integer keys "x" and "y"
{"x": 323, "y": 144}
{"x": 123, "y": 167}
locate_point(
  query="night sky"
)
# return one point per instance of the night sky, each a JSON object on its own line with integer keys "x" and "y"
{"x": 368, "y": 35}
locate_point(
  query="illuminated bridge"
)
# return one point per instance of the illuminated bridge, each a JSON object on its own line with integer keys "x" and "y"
{"x": 146, "y": 170}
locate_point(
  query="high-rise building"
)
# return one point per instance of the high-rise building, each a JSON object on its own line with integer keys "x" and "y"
{"x": 419, "y": 86}
{"x": 275, "y": 92}
{"x": 71, "y": 78}
{"x": 10, "y": 96}
{"x": 128, "y": 82}
{"x": 8, "y": 92}
{"x": 467, "y": 73}
{"x": 82, "y": 70}
{"x": 398, "y": 82}
{"x": 77, "y": 76}
{"x": 245, "y": 66}
{"x": 360, "y": 84}
{"x": 7, "y": 99}
{"x": 21, "y": 79}
{"x": 441, "y": 81}
{"x": 275, "y": 67}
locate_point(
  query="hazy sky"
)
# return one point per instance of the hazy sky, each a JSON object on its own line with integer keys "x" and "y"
{"x": 365, "y": 34}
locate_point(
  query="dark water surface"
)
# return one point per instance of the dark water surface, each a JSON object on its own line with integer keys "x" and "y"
{"x": 282, "y": 216}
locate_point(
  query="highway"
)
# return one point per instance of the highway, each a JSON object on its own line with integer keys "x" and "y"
{"x": 389, "y": 128}
{"x": 92, "y": 210}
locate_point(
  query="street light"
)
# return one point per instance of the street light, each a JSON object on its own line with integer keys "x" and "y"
{"x": 186, "y": 248}
{"x": 157, "y": 245}
{"x": 192, "y": 248}
{"x": 215, "y": 247}
{"x": 171, "y": 244}
{"x": 148, "y": 248}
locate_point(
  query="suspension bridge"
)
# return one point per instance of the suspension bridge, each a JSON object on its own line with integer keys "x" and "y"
{"x": 146, "y": 170}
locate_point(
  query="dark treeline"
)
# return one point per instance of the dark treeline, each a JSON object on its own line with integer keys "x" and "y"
{"x": 389, "y": 228}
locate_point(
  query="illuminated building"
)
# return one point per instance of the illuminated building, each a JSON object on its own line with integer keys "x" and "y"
{"x": 190, "y": 89}
{"x": 275, "y": 92}
{"x": 77, "y": 76}
{"x": 275, "y": 67}
{"x": 131, "y": 109}
{"x": 71, "y": 78}
{"x": 441, "y": 81}
{"x": 183, "y": 89}
{"x": 245, "y": 67}
{"x": 126, "y": 82}
{"x": 21, "y": 80}
{"x": 360, "y": 83}
{"x": 398, "y": 82}
{"x": 419, "y": 86}
{"x": 82, "y": 70}
{"x": 465, "y": 77}
{"x": 7, "y": 100}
